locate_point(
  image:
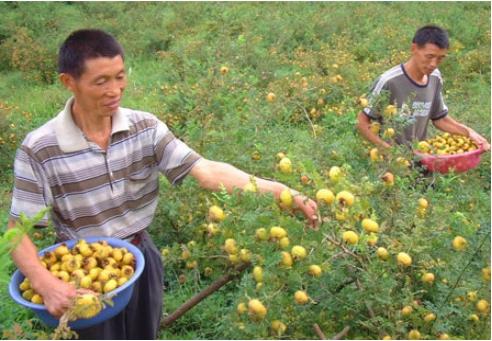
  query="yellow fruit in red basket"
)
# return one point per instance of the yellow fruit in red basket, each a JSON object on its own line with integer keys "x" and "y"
{"x": 424, "y": 146}
{"x": 345, "y": 198}
{"x": 315, "y": 270}
{"x": 215, "y": 213}
{"x": 370, "y": 225}
{"x": 87, "y": 306}
{"x": 350, "y": 237}
{"x": 459, "y": 243}
{"x": 325, "y": 195}
{"x": 285, "y": 165}
{"x": 301, "y": 297}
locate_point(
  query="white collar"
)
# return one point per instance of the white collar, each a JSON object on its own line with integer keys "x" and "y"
{"x": 70, "y": 137}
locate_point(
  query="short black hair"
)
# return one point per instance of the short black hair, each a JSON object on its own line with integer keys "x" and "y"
{"x": 85, "y": 44}
{"x": 431, "y": 34}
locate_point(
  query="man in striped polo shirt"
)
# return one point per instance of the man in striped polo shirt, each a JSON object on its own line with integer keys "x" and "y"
{"x": 415, "y": 88}
{"x": 97, "y": 165}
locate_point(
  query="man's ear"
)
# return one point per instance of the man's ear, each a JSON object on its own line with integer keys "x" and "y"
{"x": 68, "y": 81}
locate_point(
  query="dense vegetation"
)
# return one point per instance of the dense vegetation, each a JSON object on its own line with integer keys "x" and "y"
{"x": 175, "y": 57}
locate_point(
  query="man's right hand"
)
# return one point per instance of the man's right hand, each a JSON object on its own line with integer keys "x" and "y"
{"x": 57, "y": 295}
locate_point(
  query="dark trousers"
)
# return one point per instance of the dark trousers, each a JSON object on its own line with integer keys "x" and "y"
{"x": 140, "y": 319}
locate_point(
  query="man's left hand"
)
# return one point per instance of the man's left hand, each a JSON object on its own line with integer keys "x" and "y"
{"x": 309, "y": 208}
{"x": 479, "y": 140}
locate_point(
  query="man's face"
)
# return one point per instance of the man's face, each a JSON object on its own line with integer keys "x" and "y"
{"x": 99, "y": 89}
{"x": 428, "y": 57}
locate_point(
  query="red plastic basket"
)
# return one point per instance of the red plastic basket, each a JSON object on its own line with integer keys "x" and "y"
{"x": 445, "y": 163}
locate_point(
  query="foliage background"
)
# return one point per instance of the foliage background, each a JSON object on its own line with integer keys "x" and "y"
{"x": 174, "y": 52}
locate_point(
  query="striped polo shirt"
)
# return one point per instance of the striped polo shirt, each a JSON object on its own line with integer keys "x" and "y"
{"x": 93, "y": 192}
{"x": 419, "y": 103}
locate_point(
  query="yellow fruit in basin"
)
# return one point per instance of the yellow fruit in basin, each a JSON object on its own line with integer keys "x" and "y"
{"x": 87, "y": 306}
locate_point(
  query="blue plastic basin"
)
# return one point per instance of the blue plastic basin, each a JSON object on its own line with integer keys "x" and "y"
{"x": 121, "y": 294}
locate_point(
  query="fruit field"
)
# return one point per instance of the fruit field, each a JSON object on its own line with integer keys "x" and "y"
{"x": 274, "y": 89}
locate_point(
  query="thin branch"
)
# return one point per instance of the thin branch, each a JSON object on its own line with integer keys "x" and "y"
{"x": 342, "y": 334}
{"x": 319, "y": 332}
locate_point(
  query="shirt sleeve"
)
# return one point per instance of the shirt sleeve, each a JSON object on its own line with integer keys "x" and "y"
{"x": 174, "y": 158}
{"x": 30, "y": 187}
{"x": 377, "y": 88}
{"x": 439, "y": 108}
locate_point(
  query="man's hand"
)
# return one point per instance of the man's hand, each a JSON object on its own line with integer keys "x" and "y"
{"x": 309, "y": 208}
{"x": 480, "y": 140}
{"x": 57, "y": 295}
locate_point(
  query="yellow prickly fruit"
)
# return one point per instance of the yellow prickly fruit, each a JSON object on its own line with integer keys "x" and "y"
{"x": 335, "y": 173}
{"x": 486, "y": 274}
{"x": 298, "y": 252}
{"x": 382, "y": 253}
{"x": 389, "y": 179}
{"x": 459, "y": 243}
{"x": 245, "y": 255}
{"x": 314, "y": 270}
{"x": 404, "y": 259}
{"x": 224, "y": 70}
{"x": 249, "y": 187}
{"x": 301, "y": 297}
{"x": 277, "y": 232}
{"x": 390, "y": 110}
{"x": 261, "y": 234}
{"x": 270, "y": 97}
{"x": 230, "y": 246}
{"x": 128, "y": 258}
{"x": 429, "y": 317}
{"x": 389, "y": 133}
{"x": 256, "y": 309}
{"x": 370, "y": 225}
{"x": 406, "y": 310}
{"x": 374, "y": 154}
{"x": 285, "y": 165}
{"x": 482, "y": 306}
{"x": 286, "y": 259}
{"x": 350, "y": 237}
{"x": 428, "y": 277}
{"x": 443, "y": 336}
{"x": 345, "y": 198}
{"x": 414, "y": 334}
{"x": 258, "y": 274}
{"x": 284, "y": 242}
{"x": 286, "y": 198}
{"x": 37, "y": 299}
{"x": 375, "y": 127}
{"x": 241, "y": 308}
{"x": 86, "y": 282}
{"x": 472, "y": 296}
{"x": 110, "y": 285}
{"x": 423, "y": 203}
{"x": 87, "y": 306}
{"x": 216, "y": 214}
{"x": 372, "y": 239}
{"x": 325, "y": 195}
{"x": 278, "y": 327}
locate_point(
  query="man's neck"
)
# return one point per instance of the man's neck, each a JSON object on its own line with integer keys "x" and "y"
{"x": 95, "y": 128}
{"x": 414, "y": 73}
